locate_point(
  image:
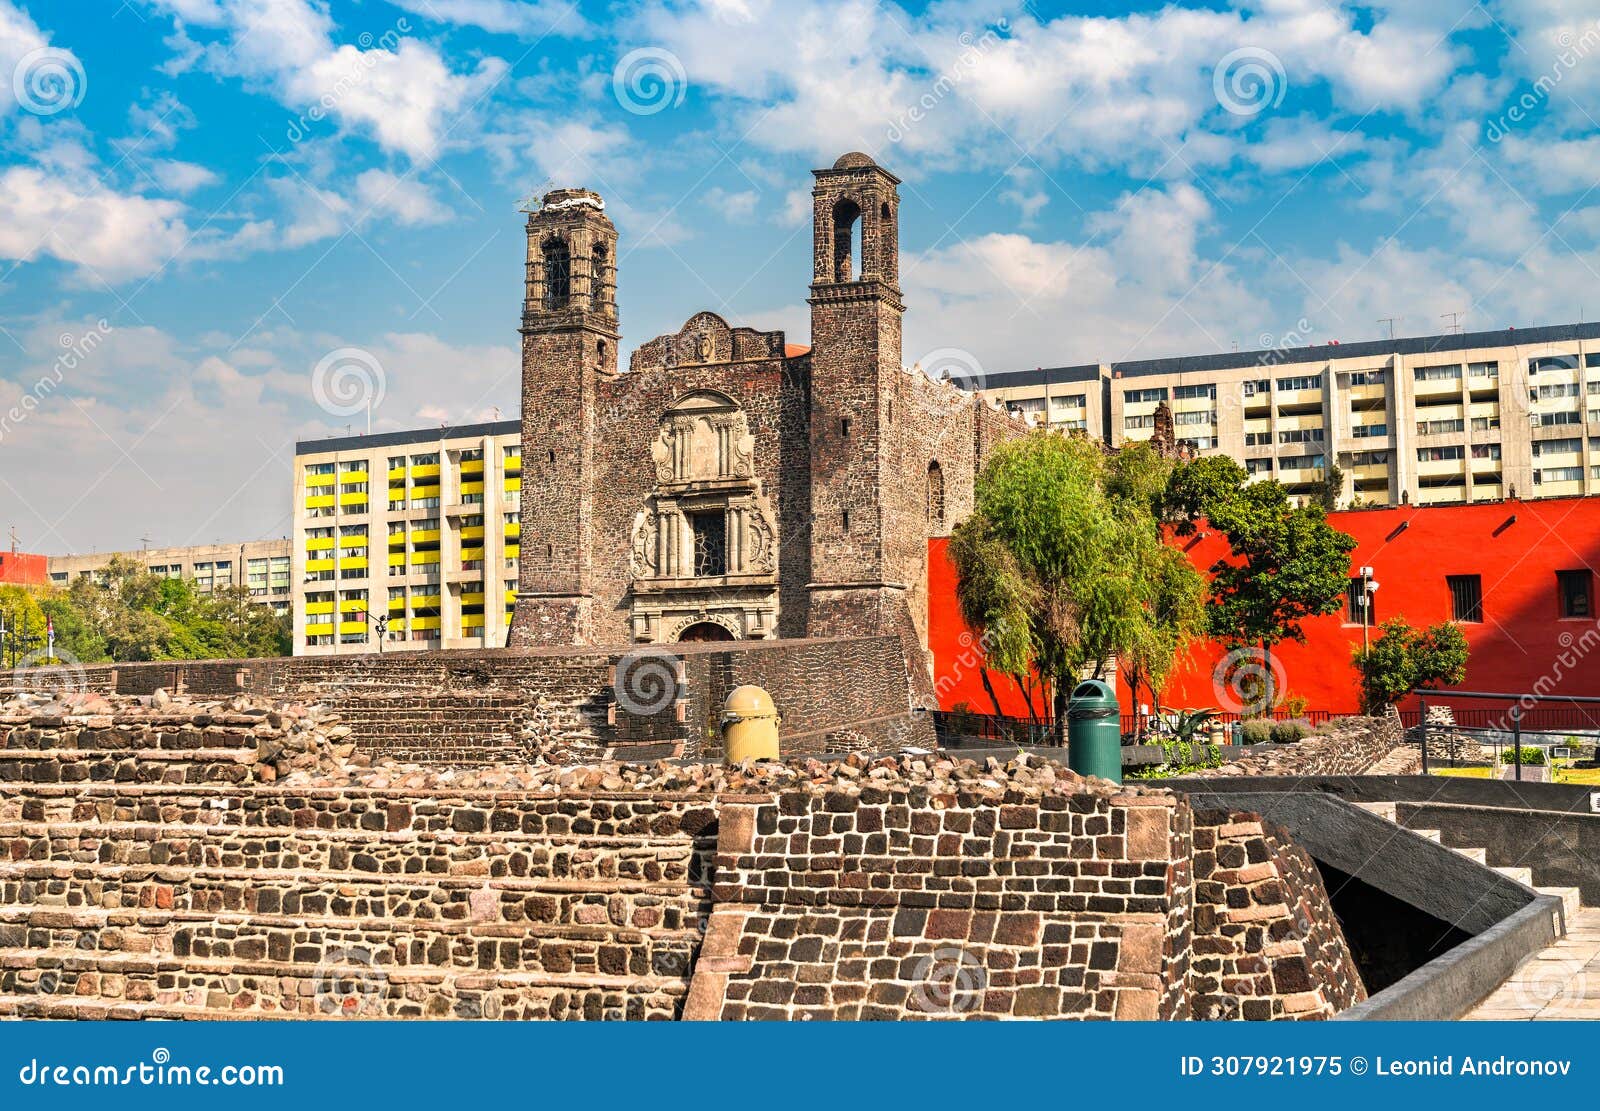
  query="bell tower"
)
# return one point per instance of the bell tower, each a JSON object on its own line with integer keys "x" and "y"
{"x": 569, "y": 343}
{"x": 859, "y": 567}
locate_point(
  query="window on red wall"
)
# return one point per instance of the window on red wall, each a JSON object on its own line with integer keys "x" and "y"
{"x": 1576, "y": 592}
{"x": 1354, "y": 597}
{"x": 1466, "y": 597}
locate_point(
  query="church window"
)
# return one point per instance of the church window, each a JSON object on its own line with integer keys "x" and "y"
{"x": 935, "y": 493}
{"x": 846, "y": 251}
{"x": 557, "y": 275}
{"x": 710, "y": 544}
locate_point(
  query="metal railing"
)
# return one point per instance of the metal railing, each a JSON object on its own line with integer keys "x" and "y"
{"x": 954, "y": 726}
{"x": 1509, "y": 722}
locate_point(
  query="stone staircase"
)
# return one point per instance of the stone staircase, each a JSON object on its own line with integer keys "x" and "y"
{"x": 1569, "y": 896}
{"x": 127, "y": 892}
{"x": 1562, "y": 981}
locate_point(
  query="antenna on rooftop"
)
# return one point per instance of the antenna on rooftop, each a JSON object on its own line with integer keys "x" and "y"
{"x": 1455, "y": 321}
{"x": 1389, "y": 320}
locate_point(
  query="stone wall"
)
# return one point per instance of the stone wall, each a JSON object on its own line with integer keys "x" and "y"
{"x": 1266, "y": 943}
{"x": 459, "y": 705}
{"x": 1348, "y": 746}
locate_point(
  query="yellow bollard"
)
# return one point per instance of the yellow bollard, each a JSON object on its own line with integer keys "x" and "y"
{"x": 749, "y": 726}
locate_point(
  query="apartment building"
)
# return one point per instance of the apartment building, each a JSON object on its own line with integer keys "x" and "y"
{"x": 407, "y": 540}
{"x": 1068, "y": 398}
{"x": 1460, "y": 417}
{"x": 263, "y": 566}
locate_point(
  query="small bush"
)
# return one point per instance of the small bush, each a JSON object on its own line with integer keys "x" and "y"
{"x": 1530, "y": 755}
{"x": 1256, "y": 732}
{"x": 1287, "y": 732}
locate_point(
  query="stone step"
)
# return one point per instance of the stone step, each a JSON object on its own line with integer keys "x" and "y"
{"x": 1381, "y": 809}
{"x": 640, "y": 857}
{"x": 344, "y": 894}
{"x": 394, "y": 809}
{"x": 355, "y": 986}
{"x": 1480, "y": 856}
{"x": 606, "y": 948}
{"x": 1430, "y": 834}
{"x": 177, "y": 740}
{"x": 1523, "y": 876}
{"x": 1571, "y": 899}
{"x": 145, "y": 765}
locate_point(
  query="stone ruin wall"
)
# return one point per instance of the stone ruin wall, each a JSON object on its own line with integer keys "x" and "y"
{"x": 164, "y": 862}
{"x": 485, "y": 706}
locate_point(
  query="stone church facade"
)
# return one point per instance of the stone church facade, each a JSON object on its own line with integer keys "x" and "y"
{"x": 730, "y": 484}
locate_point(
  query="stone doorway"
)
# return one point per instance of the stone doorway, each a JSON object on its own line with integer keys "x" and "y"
{"x": 705, "y": 631}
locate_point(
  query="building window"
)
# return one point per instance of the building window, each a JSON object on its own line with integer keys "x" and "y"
{"x": 1365, "y": 431}
{"x": 1142, "y": 397}
{"x": 1367, "y": 377}
{"x": 1466, "y": 597}
{"x": 1436, "y": 373}
{"x": 710, "y": 544}
{"x": 844, "y": 426}
{"x": 935, "y": 493}
{"x": 1300, "y": 436}
{"x": 1355, "y": 597}
{"x": 1180, "y": 393}
{"x": 1553, "y": 362}
{"x": 1258, "y": 466}
{"x": 1301, "y": 382}
{"x": 1486, "y": 451}
{"x": 1576, "y": 589}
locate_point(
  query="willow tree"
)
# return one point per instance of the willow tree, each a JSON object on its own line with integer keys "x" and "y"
{"x": 1061, "y": 565}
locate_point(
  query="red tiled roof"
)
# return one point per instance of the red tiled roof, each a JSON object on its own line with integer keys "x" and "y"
{"x": 795, "y": 350}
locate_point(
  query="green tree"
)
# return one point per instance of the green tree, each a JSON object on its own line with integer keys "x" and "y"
{"x": 1061, "y": 565}
{"x": 1286, "y": 563}
{"x": 1402, "y": 659}
{"x": 24, "y": 624}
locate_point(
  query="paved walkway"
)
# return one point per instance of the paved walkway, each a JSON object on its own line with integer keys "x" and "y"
{"x": 1561, "y": 982}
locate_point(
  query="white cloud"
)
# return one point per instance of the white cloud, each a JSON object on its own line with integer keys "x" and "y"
{"x": 398, "y": 90}
{"x": 406, "y": 199}
{"x": 82, "y": 221}
{"x": 513, "y": 17}
{"x": 734, "y": 206}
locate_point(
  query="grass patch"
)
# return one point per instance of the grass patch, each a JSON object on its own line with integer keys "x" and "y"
{"x": 1464, "y": 773}
{"x": 1587, "y": 776}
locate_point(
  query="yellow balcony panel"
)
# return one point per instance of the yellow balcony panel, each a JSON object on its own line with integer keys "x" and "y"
{"x": 472, "y": 487}
{"x": 471, "y": 553}
{"x": 319, "y": 607}
{"x": 355, "y": 476}
{"x": 352, "y": 605}
{"x": 319, "y": 501}
{"x": 397, "y": 476}
{"x": 1370, "y": 472}
{"x": 397, "y": 605}
{"x": 318, "y": 543}
{"x": 319, "y": 565}
{"x": 475, "y": 599}
{"x": 418, "y": 492}
{"x": 429, "y": 470}
{"x": 322, "y": 480}
{"x": 1368, "y": 392}
{"x": 397, "y": 540}
{"x": 474, "y": 532}
{"x": 513, "y": 550}
{"x": 424, "y": 601}
{"x": 322, "y": 628}
{"x": 513, "y": 531}
{"x": 397, "y": 559}
{"x": 472, "y": 469}
{"x": 511, "y": 596}
{"x": 424, "y": 622}
{"x": 425, "y": 557}
{"x": 513, "y": 484}
{"x": 425, "y": 536}
{"x": 352, "y": 626}
{"x": 352, "y": 562}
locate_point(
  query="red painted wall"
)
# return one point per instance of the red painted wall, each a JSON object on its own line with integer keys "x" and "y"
{"x": 1516, "y": 548}
{"x": 20, "y": 569}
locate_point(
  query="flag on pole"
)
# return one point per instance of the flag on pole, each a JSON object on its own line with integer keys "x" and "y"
{"x": 50, "y": 636}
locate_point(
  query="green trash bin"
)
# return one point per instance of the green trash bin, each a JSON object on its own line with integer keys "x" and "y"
{"x": 1094, "y": 731}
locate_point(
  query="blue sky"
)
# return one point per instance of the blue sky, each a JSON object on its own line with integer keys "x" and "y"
{"x": 203, "y": 200}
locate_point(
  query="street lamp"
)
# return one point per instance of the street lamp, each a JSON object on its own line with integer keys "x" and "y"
{"x": 1369, "y": 587}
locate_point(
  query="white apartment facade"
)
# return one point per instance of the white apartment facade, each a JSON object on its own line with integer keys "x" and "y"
{"x": 407, "y": 540}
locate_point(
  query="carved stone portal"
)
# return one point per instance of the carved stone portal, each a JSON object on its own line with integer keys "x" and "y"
{"x": 705, "y": 545}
